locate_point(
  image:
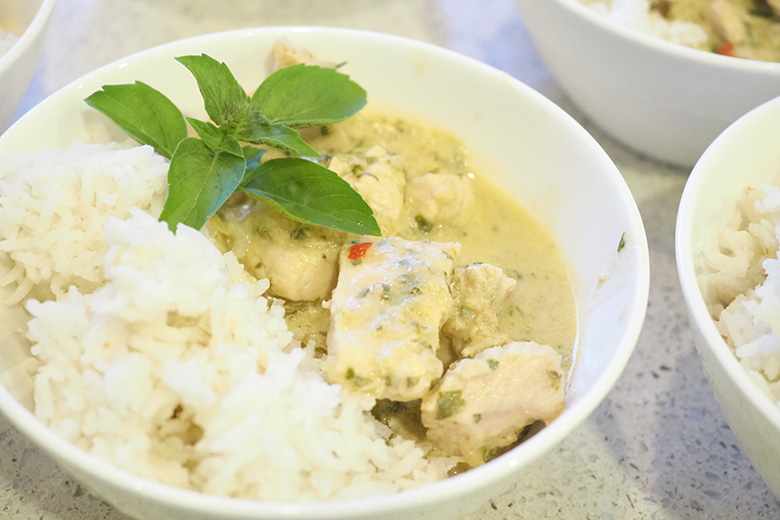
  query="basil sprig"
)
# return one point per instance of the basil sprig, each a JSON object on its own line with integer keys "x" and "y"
{"x": 226, "y": 155}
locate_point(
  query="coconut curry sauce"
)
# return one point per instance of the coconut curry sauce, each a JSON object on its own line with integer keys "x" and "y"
{"x": 461, "y": 320}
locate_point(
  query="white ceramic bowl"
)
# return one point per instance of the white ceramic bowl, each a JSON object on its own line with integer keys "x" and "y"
{"x": 29, "y": 20}
{"x": 536, "y": 151}
{"x": 745, "y": 154}
{"x": 661, "y": 99}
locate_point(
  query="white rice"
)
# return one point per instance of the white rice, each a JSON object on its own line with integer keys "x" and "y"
{"x": 740, "y": 281}
{"x": 637, "y": 15}
{"x": 158, "y": 353}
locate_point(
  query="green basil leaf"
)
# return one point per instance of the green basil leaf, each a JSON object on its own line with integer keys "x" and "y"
{"x": 311, "y": 193}
{"x": 252, "y": 154}
{"x": 199, "y": 181}
{"x": 226, "y": 102}
{"x": 279, "y": 136}
{"x": 217, "y": 139}
{"x": 144, "y": 113}
{"x": 307, "y": 95}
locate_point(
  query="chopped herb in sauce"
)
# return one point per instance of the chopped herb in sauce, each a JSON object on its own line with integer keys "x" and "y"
{"x": 423, "y": 224}
{"x": 299, "y": 233}
{"x": 356, "y": 379}
{"x": 555, "y": 378}
{"x": 449, "y": 403}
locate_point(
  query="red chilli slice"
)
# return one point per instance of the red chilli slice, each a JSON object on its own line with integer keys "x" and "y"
{"x": 358, "y": 251}
{"x": 727, "y": 49}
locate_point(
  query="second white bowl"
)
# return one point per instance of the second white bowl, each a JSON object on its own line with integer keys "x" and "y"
{"x": 661, "y": 99}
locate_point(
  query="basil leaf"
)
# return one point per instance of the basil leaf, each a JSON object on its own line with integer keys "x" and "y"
{"x": 144, "y": 113}
{"x": 306, "y": 95}
{"x": 311, "y": 193}
{"x": 226, "y": 102}
{"x": 199, "y": 181}
{"x": 217, "y": 139}
{"x": 252, "y": 155}
{"x": 279, "y": 136}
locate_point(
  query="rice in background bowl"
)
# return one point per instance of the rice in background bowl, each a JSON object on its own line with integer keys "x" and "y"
{"x": 661, "y": 99}
{"x": 727, "y": 245}
{"x": 560, "y": 189}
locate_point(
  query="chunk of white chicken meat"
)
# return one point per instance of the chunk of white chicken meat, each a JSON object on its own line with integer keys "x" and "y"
{"x": 482, "y": 404}
{"x": 379, "y": 178}
{"x": 727, "y": 21}
{"x": 479, "y": 291}
{"x": 439, "y": 198}
{"x": 299, "y": 260}
{"x": 389, "y": 304}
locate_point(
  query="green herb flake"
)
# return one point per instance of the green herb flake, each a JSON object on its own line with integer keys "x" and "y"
{"x": 555, "y": 378}
{"x": 622, "y": 242}
{"x": 355, "y": 379}
{"x": 422, "y": 224}
{"x": 489, "y": 454}
{"x": 449, "y": 403}
{"x": 492, "y": 363}
{"x": 299, "y": 233}
{"x": 477, "y": 417}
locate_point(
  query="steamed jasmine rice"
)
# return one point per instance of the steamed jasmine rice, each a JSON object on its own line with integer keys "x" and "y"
{"x": 740, "y": 282}
{"x": 160, "y": 354}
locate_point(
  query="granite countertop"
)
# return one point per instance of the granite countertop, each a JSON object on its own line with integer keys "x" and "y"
{"x": 658, "y": 447}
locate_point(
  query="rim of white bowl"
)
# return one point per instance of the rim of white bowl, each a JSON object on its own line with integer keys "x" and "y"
{"x": 443, "y": 490}
{"x": 693, "y": 191}
{"x": 36, "y": 26}
{"x": 667, "y": 47}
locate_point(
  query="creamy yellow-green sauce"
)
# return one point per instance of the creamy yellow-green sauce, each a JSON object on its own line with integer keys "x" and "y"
{"x": 495, "y": 229}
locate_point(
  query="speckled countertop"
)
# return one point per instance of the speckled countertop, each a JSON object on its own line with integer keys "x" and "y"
{"x": 658, "y": 447}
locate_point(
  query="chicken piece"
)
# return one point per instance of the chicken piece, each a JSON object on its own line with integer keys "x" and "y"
{"x": 727, "y": 21}
{"x": 379, "y": 178}
{"x": 299, "y": 260}
{"x": 439, "y": 198}
{"x": 387, "y": 309}
{"x": 482, "y": 404}
{"x": 479, "y": 291}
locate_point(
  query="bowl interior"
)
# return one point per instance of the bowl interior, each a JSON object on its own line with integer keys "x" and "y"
{"x": 17, "y": 16}
{"x": 745, "y": 154}
{"x": 521, "y": 141}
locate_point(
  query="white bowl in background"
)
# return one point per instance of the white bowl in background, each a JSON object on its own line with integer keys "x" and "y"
{"x": 534, "y": 150}
{"x": 27, "y": 19}
{"x": 661, "y": 99}
{"x": 745, "y": 154}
